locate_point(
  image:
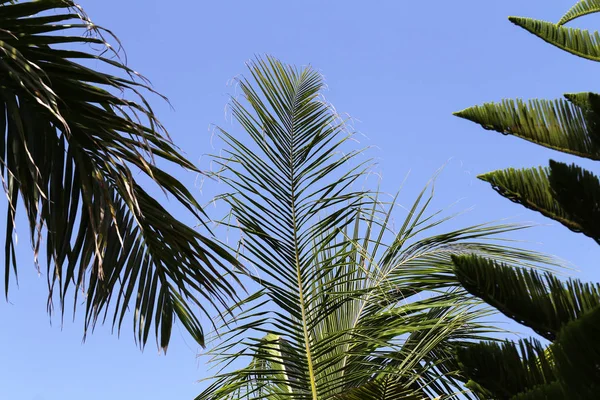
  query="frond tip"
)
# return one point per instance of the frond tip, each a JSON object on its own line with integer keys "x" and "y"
{"x": 570, "y": 126}
{"x": 566, "y": 193}
{"x": 541, "y": 302}
{"x": 579, "y": 42}
{"x": 580, "y": 9}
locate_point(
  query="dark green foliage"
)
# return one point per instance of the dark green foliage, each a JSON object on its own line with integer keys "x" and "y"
{"x": 576, "y": 352}
{"x": 578, "y": 193}
{"x": 559, "y": 124}
{"x": 567, "y": 314}
{"x": 73, "y": 138}
{"x": 539, "y": 301}
{"x": 502, "y": 370}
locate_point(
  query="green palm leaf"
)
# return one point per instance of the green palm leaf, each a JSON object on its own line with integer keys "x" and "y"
{"x": 503, "y": 370}
{"x": 575, "y": 41}
{"x": 565, "y": 193}
{"x": 553, "y": 390}
{"x": 568, "y": 126}
{"x": 71, "y": 146}
{"x": 348, "y": 302}
{"x": 568, "y": 368}
{"x": 583, "y": 7}
{"x": 576, "y": 353}
{"x": 541, "y": 302}
{"x": 385, "y": 388}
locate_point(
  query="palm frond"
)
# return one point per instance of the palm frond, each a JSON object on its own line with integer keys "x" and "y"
{"x": 289, "y": 196}
{"x": 347, "y": 297}
{"x": 567, "y": 369}
{"x": 579, "y": 42}
{"x": 553, "y": 390}
{"x": 540, "y": 189}
{"x": 581, "y": 8}
{"x": 578, "y": 193}
{"x": 503, "y": 370}
{"x": 385, "y": 388}
{"x": 576, "y": 353}
{"x": 570, "y": 126}
{"x": 71, "y": 146}
{"x": 541, "y": 302}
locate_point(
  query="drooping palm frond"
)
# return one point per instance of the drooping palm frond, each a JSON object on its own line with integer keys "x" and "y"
{"x": 570, "y": 126}
{"x": 343, "y": 301}
{"x": 565, "y": 193}
{"x": 541, "y": 302}
{"x": 72, "y": 142}
{"x": 583, "y": 7}
{"x": 579, "y": 42}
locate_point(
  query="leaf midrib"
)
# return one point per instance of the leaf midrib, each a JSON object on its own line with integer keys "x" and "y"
{"x": 306, "y": 335}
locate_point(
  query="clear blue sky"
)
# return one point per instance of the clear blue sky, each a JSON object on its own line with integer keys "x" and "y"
{"x": 399, "y": 67}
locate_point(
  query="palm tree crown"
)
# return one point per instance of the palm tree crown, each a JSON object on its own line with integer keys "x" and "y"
{"x": 337, "y": 313}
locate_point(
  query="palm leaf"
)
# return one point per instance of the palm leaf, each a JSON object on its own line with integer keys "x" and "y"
{"x": 385, "y": 388}
{"x": 576, "y": 353}
{"x": 541, "y": 302}
{"x": 279, "y": 196}
{"x": 503, "y": 370}
{"x": 578, "y": 193}
{"x": 542, "y": 190}
{"x": 579, "y": 42}
{"x": 553, "y": 390}
{"x": 72, "y": 143}
{"x": 567, "y": 126}
{"x": 567, "y": 369}
{"x": 581, "y": 8}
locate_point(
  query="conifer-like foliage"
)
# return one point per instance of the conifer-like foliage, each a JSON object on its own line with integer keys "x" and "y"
{"x": 74, "y": 137}
{"x": 344, "y": 306}
{"x": 566, "y": 314}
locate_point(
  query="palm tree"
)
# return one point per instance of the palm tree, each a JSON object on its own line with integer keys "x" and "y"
{"x": 565, "y": 314}
{"x": 72, "y": 142}
{"x": 343, "y": 306}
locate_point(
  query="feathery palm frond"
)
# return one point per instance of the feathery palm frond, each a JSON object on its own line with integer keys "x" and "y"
{"x": 541, "y": 302}
{"x": 576, "y": 352}
{"x": 569, "y": 126}
{"x": 385, "y": 388}
{"x": 343, "y": 302}
{"x": 566, "y": 193}
{"x": 578, "y": 193}
{"x": 69, "y": 151}
{"x": 568, "y": 367}
{"x": 503, "y": 370}
{"x": 579, "y": 42}
{"x": 553, "y": 390}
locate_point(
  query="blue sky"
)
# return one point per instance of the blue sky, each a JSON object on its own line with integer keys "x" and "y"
{"x": 400, "y": 68}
